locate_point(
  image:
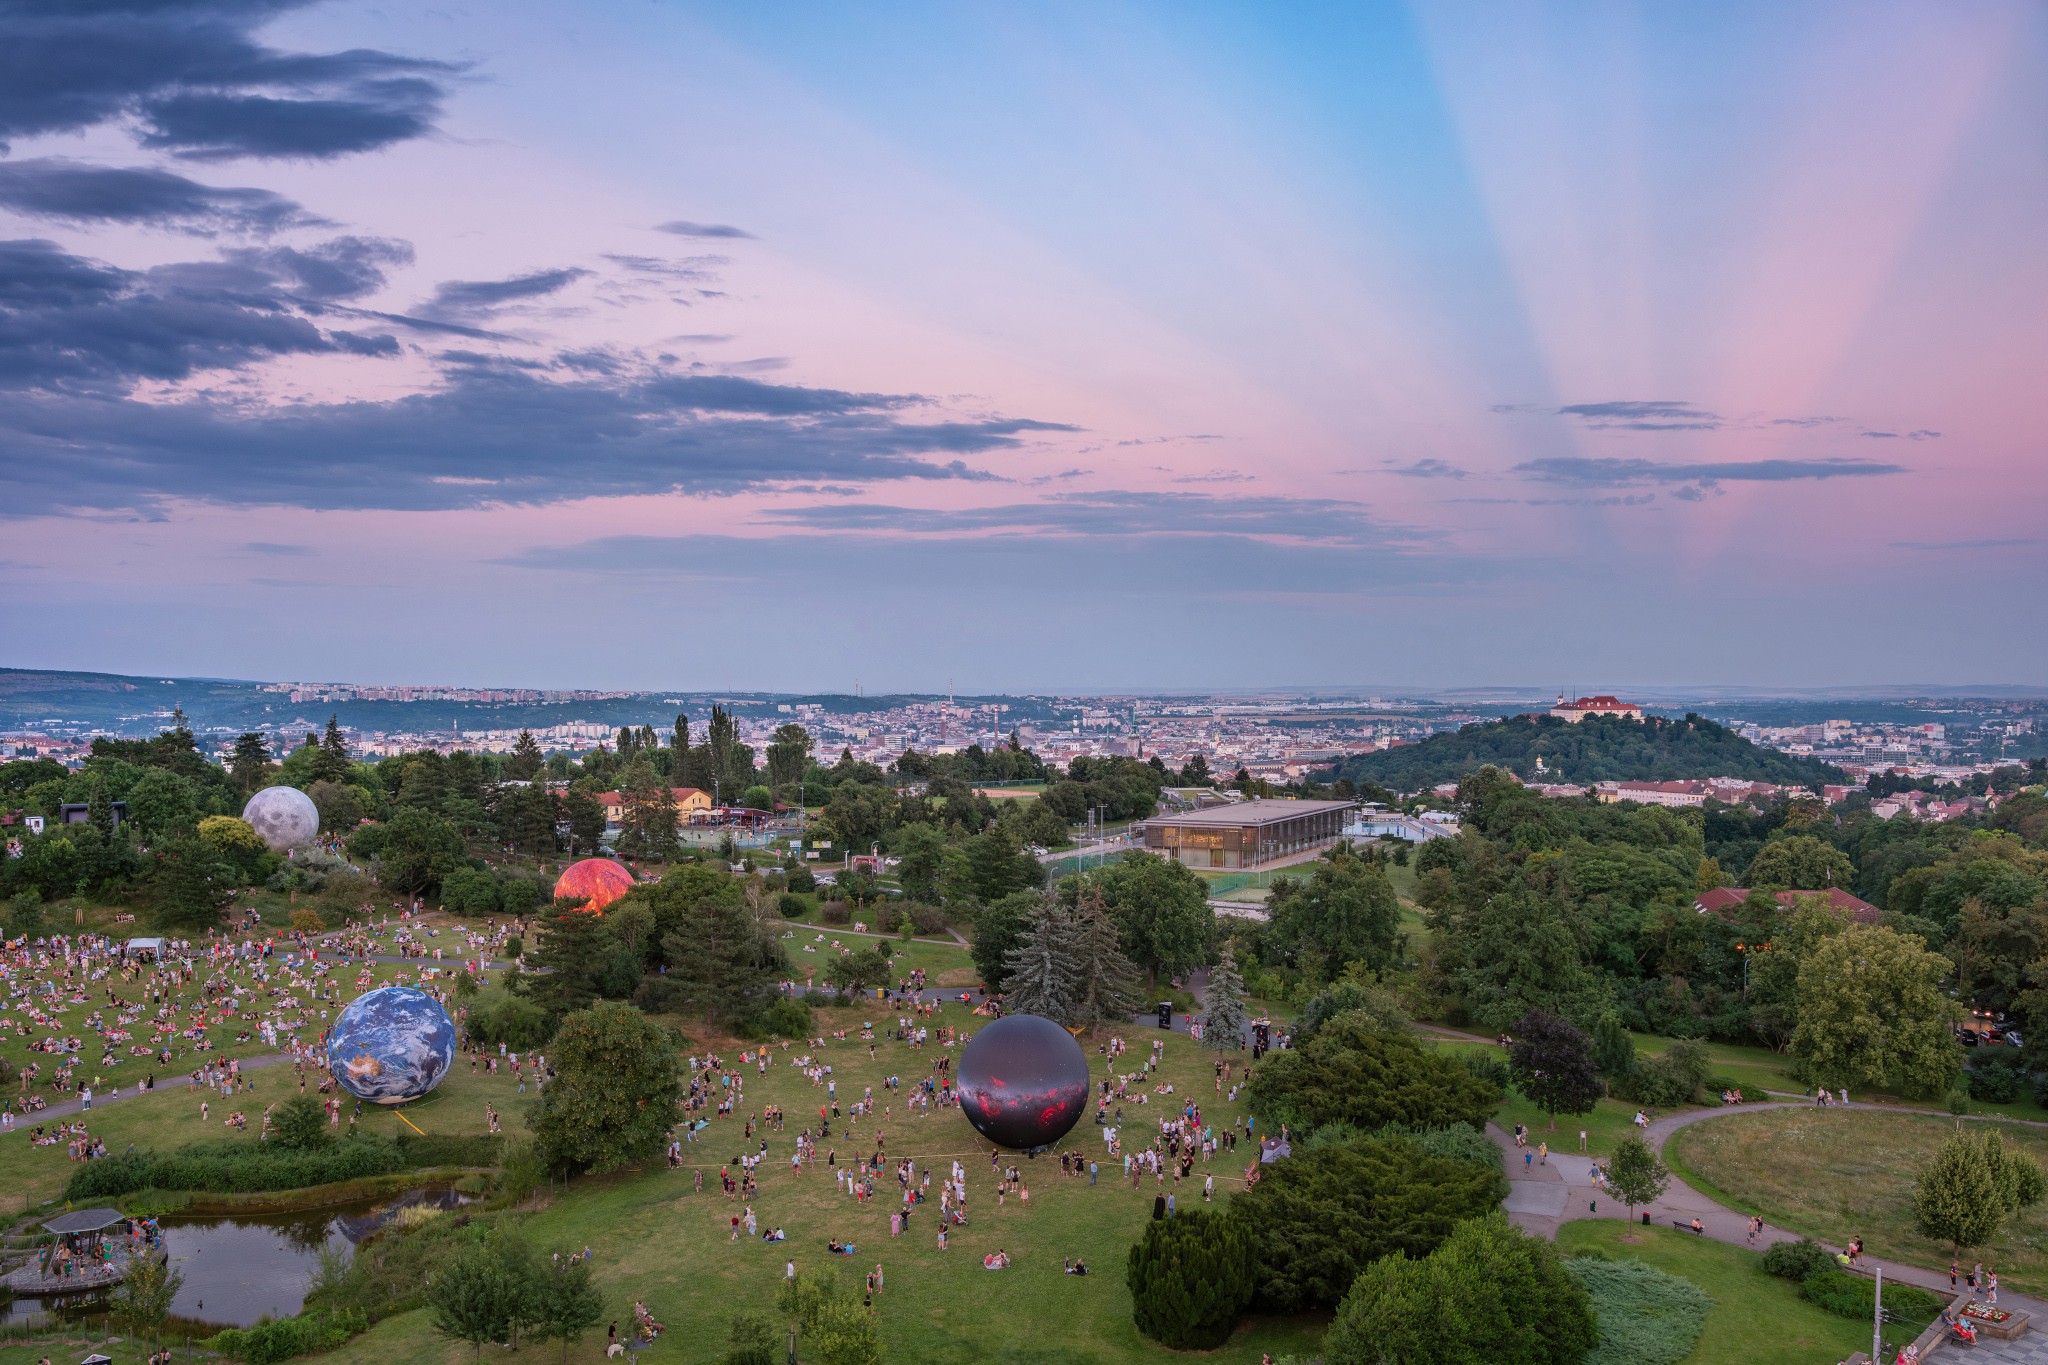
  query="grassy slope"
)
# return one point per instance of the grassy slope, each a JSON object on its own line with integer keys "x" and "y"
{"x": 655, "y": 1239}
{"x": 1756, "y": 1319}
{"x": 1839, "y": 1173}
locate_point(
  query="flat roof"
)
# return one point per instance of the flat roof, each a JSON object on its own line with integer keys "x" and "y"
{"x": 1265, "y": 812}
{"x": 86, "y": 1220}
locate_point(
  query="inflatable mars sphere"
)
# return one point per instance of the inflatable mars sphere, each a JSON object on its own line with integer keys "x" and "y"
{"x": 391, "y": 1045}
{"x": 283, "y": 817}
{"x": 597, "y": 882}
{"x": 1023, "y": 1082}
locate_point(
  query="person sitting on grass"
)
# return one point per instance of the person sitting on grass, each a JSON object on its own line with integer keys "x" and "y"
{"x": 996, "y": 1260}
{"x": 1076, "y": 1267}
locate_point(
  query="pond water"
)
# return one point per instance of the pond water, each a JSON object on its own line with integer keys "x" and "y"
{"x": 240, "y": 1268}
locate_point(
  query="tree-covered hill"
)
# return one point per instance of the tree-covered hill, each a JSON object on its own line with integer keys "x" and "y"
{"x": 1597, "y": 749}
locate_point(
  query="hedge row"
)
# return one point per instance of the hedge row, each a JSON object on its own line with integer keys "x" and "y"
{"x": 269, "y": 1340}
{"x": 243, "y": 1168}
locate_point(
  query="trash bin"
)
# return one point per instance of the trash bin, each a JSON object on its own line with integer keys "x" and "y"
{"x": 1646, "y": 1218}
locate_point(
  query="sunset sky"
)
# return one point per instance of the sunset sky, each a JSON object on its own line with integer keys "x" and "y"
{"x": 701, "y": 346}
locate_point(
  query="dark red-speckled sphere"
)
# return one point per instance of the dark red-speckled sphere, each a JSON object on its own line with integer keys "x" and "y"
{"x": 597, "y": 882}
{"x": 1023, "y": 1081}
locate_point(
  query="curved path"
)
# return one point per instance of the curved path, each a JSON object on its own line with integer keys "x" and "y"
{"x": 1544, "y": 1196}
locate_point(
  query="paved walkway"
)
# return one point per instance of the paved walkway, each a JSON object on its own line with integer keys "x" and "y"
{"x": 1544, "y": 1195}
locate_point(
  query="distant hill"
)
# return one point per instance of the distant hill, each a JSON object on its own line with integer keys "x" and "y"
{"x": 1597, "y": 749}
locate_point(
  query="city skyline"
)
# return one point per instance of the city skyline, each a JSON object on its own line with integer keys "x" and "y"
{"x": 1138, "y": 348}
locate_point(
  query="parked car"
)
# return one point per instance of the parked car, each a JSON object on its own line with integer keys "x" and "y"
{"x": 1966, "y": 1037}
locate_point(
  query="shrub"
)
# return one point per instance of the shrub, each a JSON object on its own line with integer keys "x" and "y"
{"x": 269, "y": 1340}
{"x": 924, "y": 919}
{"x": 1645, "y": 1316}
{"x": 519, "y": 896}
{"x": 469, "y": 891}
{"x": 241, "y": 1168}
{"x": 1800, "y": 1260}
{"x": 801, "y": 879}
{"x": 1490, "y": 1292}
{"x": 510, "y": 1019}
{"x": 1190, "y": 1277}
{"x": 1322, "y": 1216}
{"x": 1365, "y": 1076}
{"x": 661, "y": 995}
{"x": 1489, "y": 1068}
{"x": 1852, "y": 1296}
{"x": 1996, "y": 1079}
{"x": 1458, "y": 1141}
{"x": 752, "y": 1341}
{"x": 835, "y": 912}
{"x": 781, "y": 1017}
{"x": 791, "y": 906}
{"x": 1716, "y": 1086}
{"x": 307, "y": 921}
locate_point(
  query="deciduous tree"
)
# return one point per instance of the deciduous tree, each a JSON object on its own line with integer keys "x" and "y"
{"x": 1552, "y": 1063}
{"x": 614, "y": 1093}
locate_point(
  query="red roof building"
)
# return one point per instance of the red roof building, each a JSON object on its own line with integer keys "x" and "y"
{"x": 1726, "y": 900}
{"x": 1602, "y": 705}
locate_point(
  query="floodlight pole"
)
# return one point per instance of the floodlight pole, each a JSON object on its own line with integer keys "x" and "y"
{"x": 1877, "y": 1318}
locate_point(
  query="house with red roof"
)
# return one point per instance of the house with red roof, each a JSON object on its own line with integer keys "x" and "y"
{"x": 1724, "y": 901}
{"x": 1602, "y": 705}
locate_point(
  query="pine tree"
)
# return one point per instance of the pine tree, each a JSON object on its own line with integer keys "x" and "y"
{"x": 1111, "y": 984}
{"x": 1045, "y": 974}
{"x": 99, "y": 809}
{"x": 333, "y": 763}
{"x": 249, "y": 765}
{"x": 679, "y": 737}
{"x": 526, "y": 759}
{"x": 1223, "y": 1013}
{"x": 573, "y": 953}
{"x": 721, "y": 960}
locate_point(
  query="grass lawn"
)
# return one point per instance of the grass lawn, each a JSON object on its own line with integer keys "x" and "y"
{"x": 1757, "y": 1319}
{"x": 1839, "y": 1173}
{"x": 655, "y": 1239}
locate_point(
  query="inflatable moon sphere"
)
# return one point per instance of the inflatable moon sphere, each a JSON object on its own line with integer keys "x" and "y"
{"x": 283, "y": 817}
{"x": 1023, "y": 1082}
{"x": 391, "y": 1045}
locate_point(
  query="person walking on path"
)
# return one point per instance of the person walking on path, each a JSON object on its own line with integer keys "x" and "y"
{"x": 1543, "y": 1153}
{"x": 1954, "y": 1275}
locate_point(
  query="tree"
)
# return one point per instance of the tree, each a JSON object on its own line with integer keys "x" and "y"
{"x": 1043, "y": 973}
{"x": 921, "y": 855}
{"x": 332, "y": 763}
{"x": 341, "y": 809}
{"x": 1872, "y": 1013}
{"x": 525, "y": 759}
{"x": 1614, "y": 1052}
{"x": 412, "y": 850}
{"x": 614, "y": 1094}
{"x": 1190, "y": 1277}
{"x": 999, "y": 928}
{"x": 832, "y": 1320}
{"x": 1489, "y": 1293}
{"x": 789, "y": 755}
{"x": 1323, "y": 1215}
{"x": 1345, "y": 912}
{"x": 1223, "y": 1013}
{"x": 1357, "y": 1073}
{"x": 1552, "y": 1063}
{"x": 1161, "y": 910}
{"x": 995, "y": 866}
{"x": 249, "y": 764}
{"x": 565, "y": 1303}
{"x": 476, "y": 1297}
{"x": 647, "y": 820}
{"x": 144, "y": 1297}
{"x": 299, "y": 1124}
{"x": 572, "y": 959}
{"x": 162, "y": 803}
{"x": 1512, "y": 953}
{"x": 1974, "y": 1183}
{"x": 1635, "y": 1175}
{"x": 1800, "y": 862}
{"x": 585, "y": 814}
{"x": 1110, "y": 990}
{"x": 186, "y": 890}
{"x": 750, "y": 1341}
{"x": 721, "y": 959}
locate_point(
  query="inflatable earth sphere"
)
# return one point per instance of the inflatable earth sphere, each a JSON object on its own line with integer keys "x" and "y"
{"x": 597, "y": 882}
{"x": 391, "y": 1045}
{"x": 283, "y": 817}
{"x": 1023, "y": 1082}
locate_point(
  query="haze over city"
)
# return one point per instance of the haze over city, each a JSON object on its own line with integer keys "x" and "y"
{"x": 677, "y": 345}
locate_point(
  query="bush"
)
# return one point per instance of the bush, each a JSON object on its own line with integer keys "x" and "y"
{"x": 1321, "y": 1217}
{"x": 269, "y": 1340}
{"x": 924, "y": 919}
{"x": 661, "y": 995}
{"x": 1852, "y": 1296}
{"x": 1190, "y": 1277}
{"x": 519, "y": 896}
{"x": 801, "y": 879}
{"x": 792, "y": 906}
{"x": 1996, "y": 1079}
{"x": 1458, "y": 1141}
{"x": 835, "y": 912}
{"x": 1716, "y": 1086}
{"x": 512, "y": 1020}
{"x": 242, "y": 1168}
{"x": 781, "y": 1017}
{"x": 1800, "y": 1260}
{"x": 468, "y": 891}
{"x": 1489, "y": 1068}
{"x": 1645, "y": 1316}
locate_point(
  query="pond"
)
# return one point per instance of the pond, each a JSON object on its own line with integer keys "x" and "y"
{"x": 241, "y": 1267}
